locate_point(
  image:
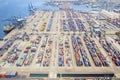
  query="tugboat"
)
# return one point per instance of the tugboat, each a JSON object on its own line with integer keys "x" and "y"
{"x": 7, "y": 28}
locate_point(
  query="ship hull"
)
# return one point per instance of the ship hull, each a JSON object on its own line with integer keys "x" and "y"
{"x": 7, "y": 31}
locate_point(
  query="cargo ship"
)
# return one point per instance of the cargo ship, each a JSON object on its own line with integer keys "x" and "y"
{"x": 7, "y": 28}
{"x": 17, "y": 22}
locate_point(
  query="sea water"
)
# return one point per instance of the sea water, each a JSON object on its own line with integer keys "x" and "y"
{"x": 10, "y": 8}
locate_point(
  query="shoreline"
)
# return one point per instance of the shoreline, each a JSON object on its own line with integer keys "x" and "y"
{"x": 50, "y": 43}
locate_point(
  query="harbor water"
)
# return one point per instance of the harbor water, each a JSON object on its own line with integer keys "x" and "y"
{"x": 19, "y": 8}
{"x": 10, "y": 8}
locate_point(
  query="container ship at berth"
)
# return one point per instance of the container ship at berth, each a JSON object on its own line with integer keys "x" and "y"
{"x": 7, "y": 29}
{"x": 18, "y": 22}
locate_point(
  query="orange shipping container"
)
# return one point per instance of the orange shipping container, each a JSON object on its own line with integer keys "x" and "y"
{"x": 77, "y": 59}
{"x": 66, "y": 60}
{"x": 26, "y": 61}
{"x": 2, "y": 74}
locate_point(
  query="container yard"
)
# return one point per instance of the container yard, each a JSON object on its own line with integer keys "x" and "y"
{"x": 61, "y": 44}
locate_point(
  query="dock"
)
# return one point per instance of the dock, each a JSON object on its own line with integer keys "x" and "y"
{"x": 53, "y": 43}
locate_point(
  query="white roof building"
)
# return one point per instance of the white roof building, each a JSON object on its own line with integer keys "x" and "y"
{"x": 111, "y": 15}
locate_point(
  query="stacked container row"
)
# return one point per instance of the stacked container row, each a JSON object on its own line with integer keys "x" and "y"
{"x": 112, "y": 51}
{"x": 83, "y": 52}
{"x": 78, "y": 58}
{"x": 8, "y": 74}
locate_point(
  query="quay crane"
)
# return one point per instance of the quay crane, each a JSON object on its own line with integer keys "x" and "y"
{"x": 16, "y": 23}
